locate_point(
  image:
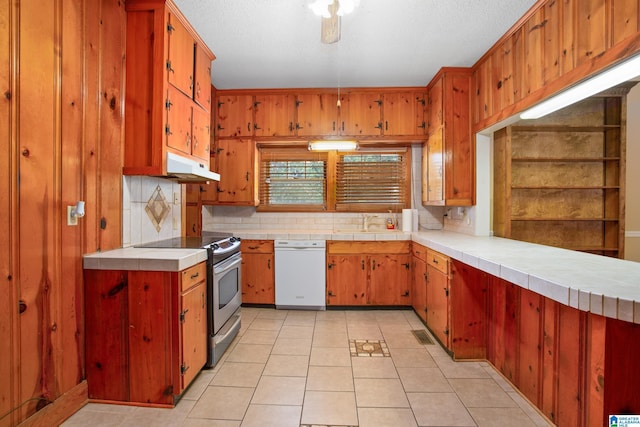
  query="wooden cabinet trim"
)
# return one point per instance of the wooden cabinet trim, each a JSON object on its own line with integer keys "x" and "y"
{"x": 366, "y": 247}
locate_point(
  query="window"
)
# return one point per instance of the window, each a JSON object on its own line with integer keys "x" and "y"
{"x": 292, "y": 179}
{"x": 295, "y": 179}
{"x": 372, "y": 181}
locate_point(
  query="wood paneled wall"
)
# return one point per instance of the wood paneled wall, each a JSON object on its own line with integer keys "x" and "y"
{"x": 61, "y": 114}
{"x": 557, "y": 43}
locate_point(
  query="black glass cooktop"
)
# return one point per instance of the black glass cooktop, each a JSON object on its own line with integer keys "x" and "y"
{"x": 207, "y": 238}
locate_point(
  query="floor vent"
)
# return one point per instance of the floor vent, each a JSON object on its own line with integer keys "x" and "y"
{"x": 422, "y": 336}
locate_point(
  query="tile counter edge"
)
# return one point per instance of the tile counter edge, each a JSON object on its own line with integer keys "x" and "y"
{"x": 144, "y": 259}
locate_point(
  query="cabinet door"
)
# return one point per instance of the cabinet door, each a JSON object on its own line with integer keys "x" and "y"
{"x": 390, "y": 280}
{"x": 432, "y": 170}
{"x": 419, "y": 298}
{"x": 360, "y": 114}
{"x": 202, "y": 89}
{"x": 317, "y": 114}
{"x": 435, "y": 109}
{"x": 193, "y": 327}
{"x": 234, "y": 116}
{"x": 346, "y": 280}
{"x": 201, "y": 141}
{"x": 403, "y": 114}
{"x": 150, "y": 340}
{"x": 181, "y": 56}
{"x": 258, "y": 280}
{"x": 438, "y": 304}
{"x": 193, "y": 220}
{"x": 179, "y": 121}
{"x": 274, "y": 115}
{"x": 235, "y": 166}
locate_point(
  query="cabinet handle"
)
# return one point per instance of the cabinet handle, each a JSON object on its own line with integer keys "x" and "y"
{"x": 193, "y": 276}
{"x": 363, "y": 264}
{"x": 331, "y": 265}
{"x": 373, "y": 264}
{"x": 188, "y": 141}
{"x": 220, "y": 127}
{"x": 379, "y": 126}
{"x": 253, "y": 248}
{"x": 247, "y": 177}
{"x": 249, "y": 127}
{"x": 190, "y": 82}
{"x": 386, "y": 125}
{"x": 183, "y": 313}
{"x": 406, "y": 294}
{"x": 22, "y": 306}
{"x": 301, "y": 127}
{"x": 198, "y": 89}
{"x": 435, "y": 261}
{"x": 269, "y": 263}
{"x": 330, "y": 294}
{"x": 290, "y": 126}
{"x": 423, "y": 125}
{"x": 255, "y": 126}
{"x": 406, "y": 265}
{"x": 203, "y": 300}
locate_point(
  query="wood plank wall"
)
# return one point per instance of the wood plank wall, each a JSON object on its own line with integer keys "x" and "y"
{"x": 61, "y": 73}
{"x": 557, "y": 43}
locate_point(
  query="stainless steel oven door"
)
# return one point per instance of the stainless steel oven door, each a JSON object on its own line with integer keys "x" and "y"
{"x": 226, "y": 289}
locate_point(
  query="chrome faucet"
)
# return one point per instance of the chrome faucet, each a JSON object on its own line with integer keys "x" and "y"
{"x": 366, "y": 221}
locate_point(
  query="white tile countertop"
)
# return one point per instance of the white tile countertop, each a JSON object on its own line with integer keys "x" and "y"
{"x": 147, "y": 259}
{"x": 598, "y": 284}
{"x": 376, "y": 235}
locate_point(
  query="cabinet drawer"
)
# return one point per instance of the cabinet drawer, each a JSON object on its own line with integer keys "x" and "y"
{"x": 372, "y": 247}
{"x": 438, "y": 261}
{"x": 193, "y": 275}
{"x": 419, "y": 251}
{"x": 256, "y": 246}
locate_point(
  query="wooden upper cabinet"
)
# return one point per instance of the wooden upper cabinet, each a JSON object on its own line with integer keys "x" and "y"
{"x": 317, "y": 114}
{"x": 450, "y": 147}
{"x": 201, "y": 128}
{"x": 164, "y": 56}
{"x": 434, "y": 101}
{"x": 181, "y": 60}
{"x": 404, "y": 113}
{"x": 202, "y": 90}
{"x": 274, "y": 115}
{"x": 236, "y": 165}
{"x": 361, "y": 114}
{"x": 234, "y": 116}
{"x": 179, "y": 125}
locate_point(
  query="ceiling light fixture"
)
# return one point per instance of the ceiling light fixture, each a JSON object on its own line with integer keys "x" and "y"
{"x": 333, "y": 145}
{"x": 331, "y": 11}
{"x": 615, "y": 75}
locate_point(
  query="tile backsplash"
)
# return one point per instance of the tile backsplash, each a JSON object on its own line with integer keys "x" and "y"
{"x": 151, "y": 209}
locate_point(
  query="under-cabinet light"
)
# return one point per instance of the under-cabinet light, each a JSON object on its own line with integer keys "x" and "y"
{"x": 333, "y": 145}
{"x": 615, "y": 75}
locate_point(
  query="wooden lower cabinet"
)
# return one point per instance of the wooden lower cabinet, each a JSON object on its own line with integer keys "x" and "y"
{"x": 146, "y": 333}
{"x": 419, "y": 299}
{"x": 258, "y": 278}
{"x": 438, "y": 296}
{"x": 369, "y": 273}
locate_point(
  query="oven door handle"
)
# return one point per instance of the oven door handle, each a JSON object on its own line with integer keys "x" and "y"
{"x": 227, "y": 264}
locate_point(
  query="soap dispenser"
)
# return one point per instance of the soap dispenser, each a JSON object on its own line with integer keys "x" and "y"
{"x": 390, "y": 224}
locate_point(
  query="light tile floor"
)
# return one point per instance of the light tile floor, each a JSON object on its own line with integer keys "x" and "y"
{"x": 294, "y": 368}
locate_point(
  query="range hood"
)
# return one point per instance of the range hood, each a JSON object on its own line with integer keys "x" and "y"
{"x": 183, "y": 169}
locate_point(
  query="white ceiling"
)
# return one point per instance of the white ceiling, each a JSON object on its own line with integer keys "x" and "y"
{"x": 276, "y": 43}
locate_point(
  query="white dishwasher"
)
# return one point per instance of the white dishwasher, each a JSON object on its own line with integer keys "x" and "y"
{"x": 300, "y": 274}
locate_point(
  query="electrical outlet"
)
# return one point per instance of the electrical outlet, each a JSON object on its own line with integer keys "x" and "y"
{"x": 176, "y": 198}
{"x": 71, "y": 219}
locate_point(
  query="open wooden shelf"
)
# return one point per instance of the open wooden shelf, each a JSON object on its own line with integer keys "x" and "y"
{"x": 559, "y": 180}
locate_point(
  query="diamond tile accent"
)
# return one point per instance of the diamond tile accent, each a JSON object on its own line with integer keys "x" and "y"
{"x": 368, "y": 348}
{"x": 157, "y": 208}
